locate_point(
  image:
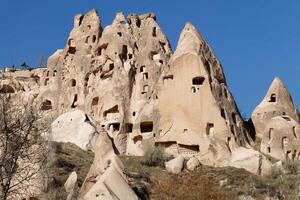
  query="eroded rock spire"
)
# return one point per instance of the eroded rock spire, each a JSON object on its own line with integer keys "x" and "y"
{"x": 277, "y": 102}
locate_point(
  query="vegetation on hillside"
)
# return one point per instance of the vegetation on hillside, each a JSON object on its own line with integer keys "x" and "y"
{"x": 152, "y": 181}
{"x": 63, "y": 159}
{"x": 155, "y": 157}
{"x": 217, "y": 183}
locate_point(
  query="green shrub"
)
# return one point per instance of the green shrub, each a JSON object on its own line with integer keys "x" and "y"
{"x": 291, "y": 166}
{"x": 155, "y": 157}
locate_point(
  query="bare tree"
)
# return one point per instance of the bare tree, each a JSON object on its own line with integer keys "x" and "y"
{"x": 22, "y": 152}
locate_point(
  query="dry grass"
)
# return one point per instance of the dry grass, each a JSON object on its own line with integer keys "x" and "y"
{"x": 154, "y": 182}
{"x": 155, "y": 157}
{"x": 185, "y": 186}
{"x": 291, "y": 166}
{"x": 204, "y": 183}
{"x": 66, "y": 158}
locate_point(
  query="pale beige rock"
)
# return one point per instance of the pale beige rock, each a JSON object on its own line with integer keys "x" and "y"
{"x": 193, "y": 163}
{"x": 250, "y": 160}
{"x": 277, "y": 102}
{"x": 281, "y": 138}
{"x": 245, "y": 197}
{"x": 71, "y": 181}
{"x": 71, "y": 186}
{"x": 279, "y": 165}
{"x": 126, "y": 78}
{"x": 223, "y": 182}
{"x": 75, "y": 127}
{"x": 106, "y": 179}
{"x": 110, "y": 73}
{"x": 175, "y": 165}
{"x": 198, "y": 115}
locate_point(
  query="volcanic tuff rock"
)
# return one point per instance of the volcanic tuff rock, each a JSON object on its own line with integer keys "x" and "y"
{"x": 71, "y": 186}
{"x": 106, "y": 178}
{"x": 175, "y": 165}
{"x": 121, "y": 90}
{"x": 251, "y": 160}
{"x": 277, "y": 102}
{"x": 111, "y": 73}
{"x": 281, "y": 138}
{"x": 75, "y": 127}
{"x": 276, "y": 121}
{"x": 204, "y": 119}
{"x": 126, "y": 78}
{"x": 192, "y": 164}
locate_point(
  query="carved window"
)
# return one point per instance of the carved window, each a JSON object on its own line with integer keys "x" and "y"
{"x": 146, "y": 127}
{"x": 198, "y": 80}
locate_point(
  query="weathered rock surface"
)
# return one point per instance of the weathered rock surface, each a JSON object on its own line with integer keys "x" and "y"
{"x": 127, "y": 80}
{"x": 75, "y": 127}
{"x": 277, "y": 102}
{"x": 125, "y": 77}
{"x": 244, "y": 197}
{"x": 106, "y": 178}
{"x": 281, "y": 138}
{"x": 175, "y": 165}
{"x": 251, "y": 160}
{"x": 71, "y": 186}
{"x": 276, "y": 121}
{"x": 204, "y": 120}
{"x": 192, "y": 164}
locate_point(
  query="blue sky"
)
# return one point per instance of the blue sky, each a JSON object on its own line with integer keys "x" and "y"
{"x": 254, "y": 40}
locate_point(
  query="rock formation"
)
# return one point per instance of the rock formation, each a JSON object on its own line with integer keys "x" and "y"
{"x": 126, "y": 78}
{"x": 277, "y": 102}
{"x": 251, "y": 160}
{"x": 110, "y": 73}
{"x": 192, "y": 164}
{"x": 75, "y": 127}
{"x": 71, "y": 186}
{"x": 175, "y": 165}
{"x": 281, "y": 138}
{"x": 198, "y": 115}
{"x": 276, "y": 121}
{"x": 106, "y": 178}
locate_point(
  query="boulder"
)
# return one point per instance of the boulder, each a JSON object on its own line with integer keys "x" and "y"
{"x": 193, "y": 163}
{"x": 279, "y": 165}
{"x": 75, "y": 127}
{"x": 71, "y": 186}
{"x": 223, "y": 182}
{"x": 175, "y": 165}
{"x": 250, "y": 160}
{"x": 245, "y": 197}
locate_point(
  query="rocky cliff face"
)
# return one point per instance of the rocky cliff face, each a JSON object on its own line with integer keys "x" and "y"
{"x": 121, "y": 90}
{"x": 277, "y": 102}
{"x": 110, "y": 73}
{"x": 198, "y": 115}
{"x": 276, "y": 121}
{"x": 126, "y": 78}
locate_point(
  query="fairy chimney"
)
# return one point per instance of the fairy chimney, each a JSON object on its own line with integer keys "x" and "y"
{"x": 277, "y": 102}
